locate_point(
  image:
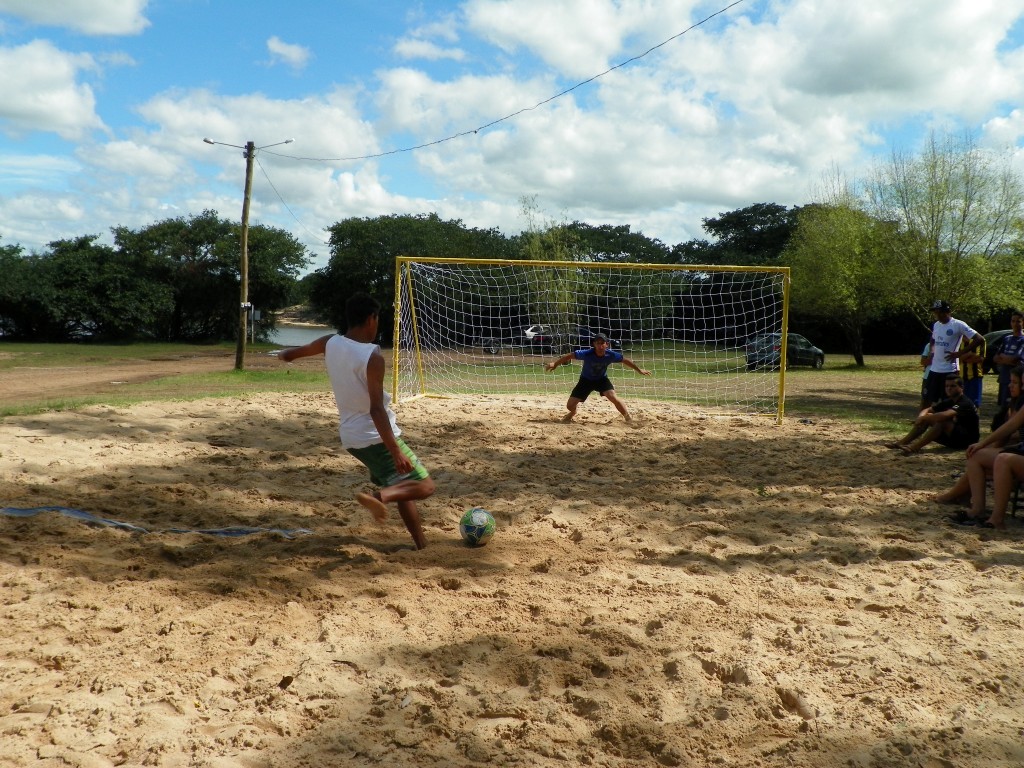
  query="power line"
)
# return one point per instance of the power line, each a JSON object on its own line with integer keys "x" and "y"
{"x": 279, "y": 197}
{"x": 511, "y": 115}
{"x": 482, "y": 127}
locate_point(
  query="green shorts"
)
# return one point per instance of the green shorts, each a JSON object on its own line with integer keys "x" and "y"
{"x": 377, "y": 459}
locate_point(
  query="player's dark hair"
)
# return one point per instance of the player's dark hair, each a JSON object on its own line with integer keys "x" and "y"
{"x": 1017, "y": 313}
{"x": 957, "y": 379}
{"x": 359, "y": 307}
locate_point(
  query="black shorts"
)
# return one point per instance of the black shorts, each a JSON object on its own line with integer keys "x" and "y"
{"x": 584, "y": 387}
{"x": 956, "y": 438}
{"x": 936, "y": 387}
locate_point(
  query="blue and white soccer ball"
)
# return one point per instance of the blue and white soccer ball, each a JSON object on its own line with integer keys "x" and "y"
{"x": 477, "y": 526}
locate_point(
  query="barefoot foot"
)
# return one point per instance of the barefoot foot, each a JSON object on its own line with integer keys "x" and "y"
{"x": 377, "y": 507}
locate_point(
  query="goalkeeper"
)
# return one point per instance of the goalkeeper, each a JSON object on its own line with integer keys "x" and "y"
{"x": 594, "y": 377}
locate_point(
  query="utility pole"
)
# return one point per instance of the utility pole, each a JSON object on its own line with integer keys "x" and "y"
{"x": 249, "y": 153}
{"x": 244, "y": 305}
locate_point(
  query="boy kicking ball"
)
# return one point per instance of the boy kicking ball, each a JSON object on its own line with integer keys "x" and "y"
{"x": 594, "y": 377}
{"x": 366, "y": 423}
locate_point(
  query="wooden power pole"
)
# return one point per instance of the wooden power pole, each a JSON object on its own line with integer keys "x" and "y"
{"x": 243, "y": 269}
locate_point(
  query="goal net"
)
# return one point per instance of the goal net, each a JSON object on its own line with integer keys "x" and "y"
{"x": 487, "y": 327}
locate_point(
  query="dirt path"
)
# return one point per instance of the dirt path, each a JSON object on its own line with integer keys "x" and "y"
{"x": 28, "y": 384}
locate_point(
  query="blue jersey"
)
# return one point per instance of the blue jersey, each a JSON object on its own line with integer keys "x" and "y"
{"x": 594, "y": 367}
{"x": 1013, "y": 345}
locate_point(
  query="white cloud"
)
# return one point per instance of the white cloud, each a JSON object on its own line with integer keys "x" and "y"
{"x": 418, "y": 44}
{"x": 154, "y": 174}
{"x": 752, "y": 107}
{"x": 33, "y": 220}
{"x": 579, "y": 38}
{"x": 295, "y": 56}
{"x": 133, "y": 159}
{"x": 752, "y": 113}
{"x": 328, "y": 126}
{"x": 44, "y": 94}
{"x": 1005, "y": 130}
{"x": 35, "y": 170}
{"x": 411, "y": 48}
{"x": 886, "y": 56}
{"x": 92, "y": 17}
{"x": 410, "y": 100}
{"x": 445, "y": 29}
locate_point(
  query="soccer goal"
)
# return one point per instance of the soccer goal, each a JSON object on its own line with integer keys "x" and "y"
{"x": 487, "y": 327}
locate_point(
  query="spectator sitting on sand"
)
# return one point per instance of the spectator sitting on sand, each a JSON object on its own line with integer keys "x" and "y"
{"x": 952, "y": 422}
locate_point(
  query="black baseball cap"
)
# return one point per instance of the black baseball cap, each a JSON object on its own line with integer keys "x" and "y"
{"x": 598, "y": 337}
{"x": 941, "y": 305}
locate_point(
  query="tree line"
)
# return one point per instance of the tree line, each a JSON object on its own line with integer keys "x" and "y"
{"x": 176, "y": 280}
{"x": 867, "y": 257}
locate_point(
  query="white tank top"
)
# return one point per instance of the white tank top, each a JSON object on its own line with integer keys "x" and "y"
{"x": 346, "y": 366}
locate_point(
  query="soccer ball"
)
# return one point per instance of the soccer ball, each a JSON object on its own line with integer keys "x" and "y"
{"x": 476, "y": 526}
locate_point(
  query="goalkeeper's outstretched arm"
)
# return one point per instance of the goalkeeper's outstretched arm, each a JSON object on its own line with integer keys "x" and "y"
{"x": 630, "y": 364}
{"x": 563, "y": 360}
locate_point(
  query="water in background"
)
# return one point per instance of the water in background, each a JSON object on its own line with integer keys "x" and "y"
{"x": 297, "y": 335}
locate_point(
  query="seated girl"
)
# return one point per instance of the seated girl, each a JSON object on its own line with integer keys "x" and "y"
{"x": 992, "y": 457}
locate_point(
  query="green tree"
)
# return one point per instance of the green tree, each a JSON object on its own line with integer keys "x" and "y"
{"x": 607, "y": 242}
{"x": 695, "y": 252}
{"x": 751, "y": 236}
{"x": 13, "y": 289}
{"x": 199, "y": 256}
{"x": 76, "y": 290}
{"x": 275, "y": 260}
{"x": 201, "y": 263}
{"x": 1006, "y": 283}
{"x": 552, "y": 289}
{"x": 363, "y": 253}
{"x": 32, "y": 300}
{"x": 79, "y": 289}
{"x": 958, "y": 206}
{"x": 842, "y": 268}
{"x": 104, "y": 293}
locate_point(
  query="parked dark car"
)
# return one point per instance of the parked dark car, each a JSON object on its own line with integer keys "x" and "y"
{"x": 492, "y": 344}
{"x": 765, "y": 351}
{"x": 993, "y": 346}
{"x": 551, "y": 340}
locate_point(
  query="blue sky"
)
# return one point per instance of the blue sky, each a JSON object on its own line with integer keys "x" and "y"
{"x": 104, "y": 105}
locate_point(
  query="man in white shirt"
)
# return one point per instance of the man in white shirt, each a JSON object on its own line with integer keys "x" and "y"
{"x": 366, "y": 424}
{"x": 947, "y": 334}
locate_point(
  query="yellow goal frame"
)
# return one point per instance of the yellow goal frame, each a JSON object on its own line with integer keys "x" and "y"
{"x": 403, "y": 280}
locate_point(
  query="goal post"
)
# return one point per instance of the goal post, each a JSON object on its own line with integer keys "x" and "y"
{"x": 486, "y": 327}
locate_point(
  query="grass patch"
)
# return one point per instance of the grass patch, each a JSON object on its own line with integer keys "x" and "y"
{"x": 14, "y": 354}
{"x": 183, "y": 388}
{"x": 882, "y": 395}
